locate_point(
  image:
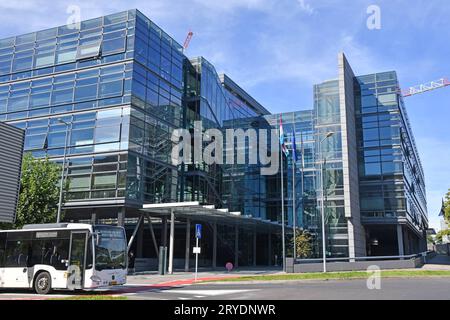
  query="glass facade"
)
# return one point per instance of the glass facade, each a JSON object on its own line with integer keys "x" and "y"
{"x": 391, "y": 178}
{"x": 109, "y": 93}
{"x": 71, "y": 87}
{"x": 392, "y": 183}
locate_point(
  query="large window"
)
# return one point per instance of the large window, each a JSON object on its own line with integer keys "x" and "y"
{"x": 80, "y": 183}
{"x": 88, "y": 51}
{"x": 2, "y": 248}
{"x": 82, "y": 137}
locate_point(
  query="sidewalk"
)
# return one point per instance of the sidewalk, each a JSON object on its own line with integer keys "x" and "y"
{"x": 154, "y": 278}
{"x": 153, "y": 281}
{"x": 438, "y": 263}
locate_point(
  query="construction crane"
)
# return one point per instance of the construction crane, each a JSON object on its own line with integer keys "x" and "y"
{"x": 422, "y": 88}
{"x": 187, "y": 42}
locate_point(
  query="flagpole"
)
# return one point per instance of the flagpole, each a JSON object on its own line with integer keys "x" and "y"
{"x": 282, "y": 212}
{"x": 294, "y": 195}
{"x": 283, "y": 231}
{"x": 303, "y": 173}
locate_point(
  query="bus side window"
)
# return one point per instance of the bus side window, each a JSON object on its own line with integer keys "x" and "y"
{"x": 60, "y": 252}
{"x": 17, "y": 253}
{"x": 2, "y": 249}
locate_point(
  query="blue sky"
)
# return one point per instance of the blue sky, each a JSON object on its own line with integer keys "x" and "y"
{"x": 277, "y": 49}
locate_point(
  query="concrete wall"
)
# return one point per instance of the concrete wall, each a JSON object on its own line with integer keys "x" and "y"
{"x": 443, "y": 249}
{"x": 356, "y": 232}
{"x": 353, "y": 266}
{"x": 11, "y": 152}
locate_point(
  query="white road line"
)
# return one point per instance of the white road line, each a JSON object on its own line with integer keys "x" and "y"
{"x": 210, "y": 293}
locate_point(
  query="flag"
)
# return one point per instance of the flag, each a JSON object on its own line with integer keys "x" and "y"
{"x": 45, "y": 146}
{"x": 442, "y": 213}
{"x": 282, "y": 138}
{"x": 294, "y": 148}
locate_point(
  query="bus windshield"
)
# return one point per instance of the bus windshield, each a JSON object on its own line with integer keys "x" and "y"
{"x": 110, "y": 248}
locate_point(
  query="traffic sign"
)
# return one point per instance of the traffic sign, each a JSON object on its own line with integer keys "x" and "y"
{"x": 197, "y": 250}
{"x": 198, "y": 231}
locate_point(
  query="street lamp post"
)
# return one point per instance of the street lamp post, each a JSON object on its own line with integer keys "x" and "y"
{"x": 58, "y": 219}
{"x": 322, "y": 167}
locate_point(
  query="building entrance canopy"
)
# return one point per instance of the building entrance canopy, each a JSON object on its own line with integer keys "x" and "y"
{"x": 199, "y": 213}
{"x": 207, "y": 213}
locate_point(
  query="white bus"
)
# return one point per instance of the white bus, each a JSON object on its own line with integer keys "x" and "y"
{"x": 64, "y": 256}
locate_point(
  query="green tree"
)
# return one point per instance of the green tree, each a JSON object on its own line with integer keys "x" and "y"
{"x": 447, "y": 206}
{"x": 440, "y": 235}
{"x": 304, "y": 246}
{"x": 39, "y": 192}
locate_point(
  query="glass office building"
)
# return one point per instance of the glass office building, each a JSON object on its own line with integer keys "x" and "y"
{"x": 373, "y": 180}
{"x": 108, "y": 93}
{"x": 392, "y": 183}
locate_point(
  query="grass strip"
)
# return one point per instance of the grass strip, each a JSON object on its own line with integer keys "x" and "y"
{"x": 339, "y": 276}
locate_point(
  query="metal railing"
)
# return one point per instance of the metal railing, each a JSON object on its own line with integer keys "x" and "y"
{"x": 357, "y": 259}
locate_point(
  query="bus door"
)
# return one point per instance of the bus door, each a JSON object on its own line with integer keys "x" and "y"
{"x": 77, "y": 259}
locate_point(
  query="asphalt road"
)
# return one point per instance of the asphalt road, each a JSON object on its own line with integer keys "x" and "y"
{"x": 391, "y": 289}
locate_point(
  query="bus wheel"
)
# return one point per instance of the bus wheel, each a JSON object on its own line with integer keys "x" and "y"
{"x": 43, "y": 283}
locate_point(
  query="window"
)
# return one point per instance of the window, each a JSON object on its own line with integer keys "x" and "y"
{"x": 113, "y": 46}
{"x": 107, "y": 134}
{"x": 67, "y": 55}
{"x": 22, "y": 64}
{"x": 372, "y": 169}
{"x": 372, "y": 204}
{"x": 369, "y": 101}
{"x": 88, "y": 51}
{"x": 2, "y": 248}
{"x": 82, "y": 137}
{"x": 17, "y": 252}
{"x": 86, "y": 92}
{"x": 43, "y": 60}
{"x": 80, "y": 183}
{"x": 387, "y": 98}
{"x": 17, "y": 104}
{"x": 5, "y": 67}
{"x": 371, "y": 134}
{"x": 104, "y": 181}
{"x": 39, "y": 100}
{"x": 111, "y": 89}
{"x": 62, "y": 96}
{"x": 56, "y": 140}
{"x": 35, "y": 142}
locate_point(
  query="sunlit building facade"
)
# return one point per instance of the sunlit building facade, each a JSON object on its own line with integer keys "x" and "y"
{"x": 106, "y": 95}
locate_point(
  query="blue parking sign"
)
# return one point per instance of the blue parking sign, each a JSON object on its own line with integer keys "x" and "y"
{"x": 198, "y": 231}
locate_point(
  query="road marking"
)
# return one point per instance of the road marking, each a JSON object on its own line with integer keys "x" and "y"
{"x": 210, "y": 293}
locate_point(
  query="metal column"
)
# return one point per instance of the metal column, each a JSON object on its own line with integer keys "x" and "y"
{"x": 214, "y": 245}
{"x": 121, "y": 217}
{"x": 188, "y": 245}
{"x": 152, "y": 232}
{"x": 269, "y": 246}
{"x": 164, "y": 232}
{"x": 172, "y": 240}
{"x": 94, "y": 218}
{"x": 136, "y": 229}
{"x": 236, "y": 247}
{"x": 254, "y": 248}
{"x": 401, "y": 251}
{"x": 140, "y": 242}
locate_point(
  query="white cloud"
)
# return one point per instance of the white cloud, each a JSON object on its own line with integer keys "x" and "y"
{"x": 229, "y": 5}
{"x": 306, "y": 7}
